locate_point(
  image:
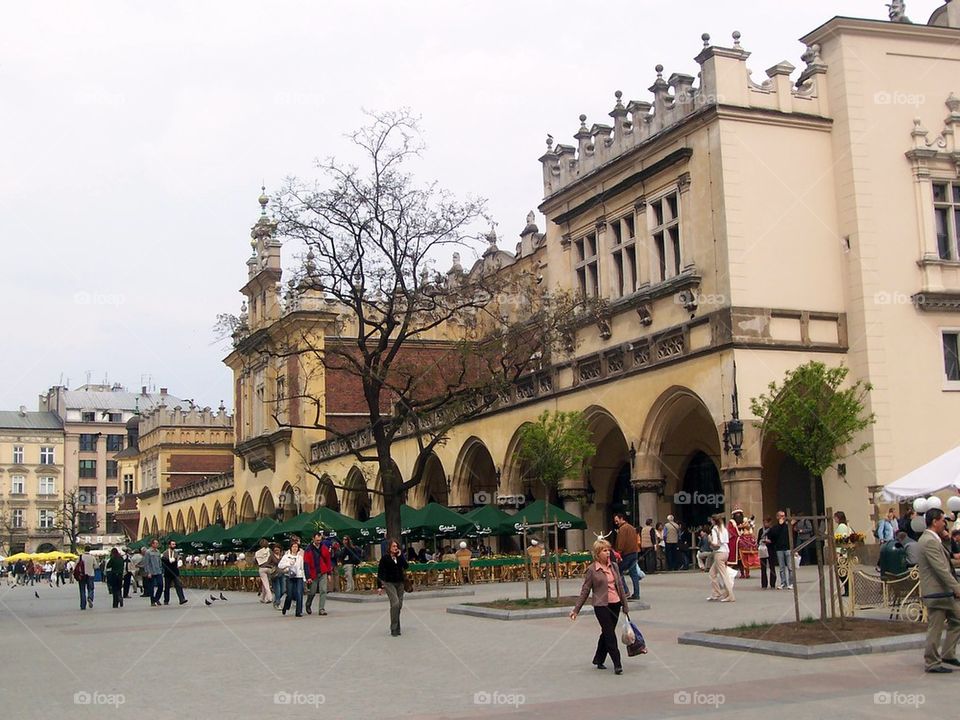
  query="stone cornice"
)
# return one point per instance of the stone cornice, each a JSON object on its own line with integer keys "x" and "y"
{"x": 857, "y": 26}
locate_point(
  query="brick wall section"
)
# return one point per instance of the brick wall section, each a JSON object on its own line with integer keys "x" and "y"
{"x": 210, "y": 464}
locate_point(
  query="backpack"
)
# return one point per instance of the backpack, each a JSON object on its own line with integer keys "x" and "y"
{"x": 79, "y": 572}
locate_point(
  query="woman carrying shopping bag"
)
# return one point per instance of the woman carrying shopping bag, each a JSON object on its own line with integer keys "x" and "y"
{"x": 603, "y": 579}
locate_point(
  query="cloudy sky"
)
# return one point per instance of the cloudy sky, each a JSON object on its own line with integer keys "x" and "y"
{"x": 136, "y": 136}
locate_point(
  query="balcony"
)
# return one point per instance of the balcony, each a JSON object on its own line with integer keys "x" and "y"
{"x": 198, "y": 489}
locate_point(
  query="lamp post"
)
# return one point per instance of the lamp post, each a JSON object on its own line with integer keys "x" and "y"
{"x": 733, "y": 428}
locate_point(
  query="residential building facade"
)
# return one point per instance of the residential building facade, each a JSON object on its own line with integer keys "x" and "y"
{"x": 31, "y": 480}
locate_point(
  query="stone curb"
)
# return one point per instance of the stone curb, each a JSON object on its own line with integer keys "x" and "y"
{"x": 804, "y": 652}
{"x": 532, "y": 614}
{"x": 416, "y": 595}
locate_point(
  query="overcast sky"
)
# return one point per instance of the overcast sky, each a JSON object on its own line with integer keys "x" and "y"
{"x": 136, "y": 136}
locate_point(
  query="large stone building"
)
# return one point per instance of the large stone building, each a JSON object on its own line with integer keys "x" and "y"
{"x": 94, "y": 421}
{"x": 31, "y": 480}
{"x": 731, "y": 228}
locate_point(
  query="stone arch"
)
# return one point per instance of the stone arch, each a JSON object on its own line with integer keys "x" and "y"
{"x": 608, "y": 473}
{"x": 678, "y": 429}
{"x": 46, "y": 547}
{"x": 266, "y": 507}
{"x": 326, "y": 494}
{"x": 515, "y": 479}
{"x": 356, "y": 498}
{"x": 180, "y": 526}
{"x": 231, "y": 512}
{"x": 217, "y": 515}
{"x": 433, "y": 484}
{"x": 154, "y": 528}
{"x": 146, "y": 529}
{"x": 204, "y": 520}
{"x": 288, "y": 502}
{"x": 247, "y": 512}
{"x": 474, "y": 475}
{"x": 191, "y": 521}
{"x": 168, "y": 524}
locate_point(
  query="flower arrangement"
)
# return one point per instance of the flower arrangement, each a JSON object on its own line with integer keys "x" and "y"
{"x": 854, "y": 538}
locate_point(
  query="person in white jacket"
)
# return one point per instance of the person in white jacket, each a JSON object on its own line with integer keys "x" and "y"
{"x": 265, "y": 565}
{"x": 291, "y": 564}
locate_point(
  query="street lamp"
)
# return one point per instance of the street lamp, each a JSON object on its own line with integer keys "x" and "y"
{"x": 733, "y": 428}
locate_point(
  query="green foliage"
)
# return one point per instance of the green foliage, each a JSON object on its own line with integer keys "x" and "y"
{"x": 556, "y": 446}
{"x": 812, "y": 418}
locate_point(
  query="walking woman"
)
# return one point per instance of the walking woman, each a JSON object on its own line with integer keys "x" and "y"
{"x": 115, "y": 577}
{"x": 278, "y": 579}
{"x": 291, "y": 566}
{"x": 603, "y": 579}
{"x": 720, "y": 586}
{"x": 266, "y": 564}
{"x": 390, "y": 576}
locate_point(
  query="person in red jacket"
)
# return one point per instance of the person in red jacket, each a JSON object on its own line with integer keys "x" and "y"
{"x": 317, "y": 567}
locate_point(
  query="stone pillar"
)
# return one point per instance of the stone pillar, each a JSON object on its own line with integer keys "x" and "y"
{"x": 742, "y": 486}
{"x": 573, "y": 493}
{"x": 648, "y": 493}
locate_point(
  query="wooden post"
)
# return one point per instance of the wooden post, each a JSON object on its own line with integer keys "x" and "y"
{"x": 834, "y": 580}
{"x": 526, "y": 555}
{"x": 556, "y": 561}
{"x": 792, "y": 574}
{"x": 833, "y": 550}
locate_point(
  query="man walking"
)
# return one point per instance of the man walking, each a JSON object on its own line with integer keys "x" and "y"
{"x": 153, "y": 573}
{"x": 627, "y": 547}
{"x": 171, "y": 574}
{"x": 671, "y": 541}
{"x": 83, "y": 572}
{"x": 317, "y": 567}
{"x": 939, "y": 591}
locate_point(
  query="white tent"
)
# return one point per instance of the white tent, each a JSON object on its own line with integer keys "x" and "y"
{"x": 938, "y": 474}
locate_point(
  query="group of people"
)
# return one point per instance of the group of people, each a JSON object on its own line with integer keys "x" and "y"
{"x": 31, "y": 572}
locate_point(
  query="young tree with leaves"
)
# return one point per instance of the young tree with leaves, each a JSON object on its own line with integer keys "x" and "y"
{"x": 815, "y": 417}
{"x": 553, "y": 449}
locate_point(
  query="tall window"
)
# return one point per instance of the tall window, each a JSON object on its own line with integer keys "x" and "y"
{"x": 48, "y": 486}
{"x": 666, "y": 234}
{"x": 111, "y": 468}
{"x": 624, "y": 251}
{"x": 88, "y": 468}
{"x": 18, "y": 454}
{"x": 17, "y": 517}
{"x": 113, "y": 526}
{"x": 88, "y": 442}
{"x": 45, "y": 519}
{"x": 111, "y": 495}
{"x": 87, "y": 522}
{"x": 47, "y": 456}
{"x": 946, "y": 208}
{"x": 951, "y": 356}
{"x": 114, "y": 443}
{"x": 87, "y": 495}
{"x": 88, "y": 416}
{"x": 17, "y": 484}
{"x": 116, "y": 417}
{"x": 587, "y": 266}
{"x": 127, "y": 484}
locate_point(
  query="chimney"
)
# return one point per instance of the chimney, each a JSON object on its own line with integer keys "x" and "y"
{"x": 143, "y": 389}
{"x": 163, "y": 391}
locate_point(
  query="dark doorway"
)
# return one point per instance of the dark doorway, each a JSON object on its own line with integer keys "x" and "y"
{"x": 702, "y": 494}
{"x": 793, "y": 489}
{"x": 624, "y": 496}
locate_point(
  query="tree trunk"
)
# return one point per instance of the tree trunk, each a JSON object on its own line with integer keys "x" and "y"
{"x": 546, "y": 541}
{"x": 817, "y": 547}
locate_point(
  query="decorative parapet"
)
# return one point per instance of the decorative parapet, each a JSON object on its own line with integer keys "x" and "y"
{"x": 724, "y": 81}
{"x": 193, "y": 416}
{"x": 198, "y": 489}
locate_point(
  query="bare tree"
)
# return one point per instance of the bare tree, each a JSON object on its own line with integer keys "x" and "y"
{"x": 426, "y": 351}
{"x": 7, "y": 526}
{"x": 70, "y": 515}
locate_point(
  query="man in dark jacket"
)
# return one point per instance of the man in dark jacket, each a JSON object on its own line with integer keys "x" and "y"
{"x": 171, "y": 574}
{"x": 627, "y": 547}
{"x": 317, "y": 566}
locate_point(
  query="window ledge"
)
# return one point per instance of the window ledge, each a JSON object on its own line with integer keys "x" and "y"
{"x": 939, "y": 301}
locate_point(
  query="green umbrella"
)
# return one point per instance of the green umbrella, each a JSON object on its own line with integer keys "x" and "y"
{"x": 376, "y": 527}
{"x": 436, "y": 519}
{"x": 322, "y": 519}
{"x": 212, "y": 536}
{"x": 540, "y": 511}
{"x": 175, "y": 536}
{"x": 489, "y": 520}
{"x": 249, "y": 533}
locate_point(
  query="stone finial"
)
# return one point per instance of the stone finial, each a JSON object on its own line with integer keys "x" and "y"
{"x": 953, "y": 104}
{"x": 736, "y": 39}
{"x": 549, "y": 142}
{"x": 706, "y": 39}
{"x": 811, "y": 55}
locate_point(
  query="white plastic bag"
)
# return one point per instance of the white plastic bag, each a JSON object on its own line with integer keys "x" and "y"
{"x": 731, "y": 576}
{"x": 627, "y": 636}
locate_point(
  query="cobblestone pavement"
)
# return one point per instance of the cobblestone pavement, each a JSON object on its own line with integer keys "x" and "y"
{"x": 241, "y": 659}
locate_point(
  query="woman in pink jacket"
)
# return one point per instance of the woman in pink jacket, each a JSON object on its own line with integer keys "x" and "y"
{"x": 603, "y": 579}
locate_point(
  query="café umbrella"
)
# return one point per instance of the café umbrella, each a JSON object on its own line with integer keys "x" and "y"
{"x": 376, "y": 527}
{"x": 489, "y": 520}
{"x": 539, "y": 512}
{"x": 437, "y": 519}
{"x": 324, "y": 520}
{"x": 249, "y": 533}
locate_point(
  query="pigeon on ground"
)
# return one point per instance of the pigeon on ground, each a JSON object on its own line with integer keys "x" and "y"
{"x": 213, "y": 598}
{"x": 36, "y": 594}
{"x": 207, "y": 602}
{"x": 222, "y": 597}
